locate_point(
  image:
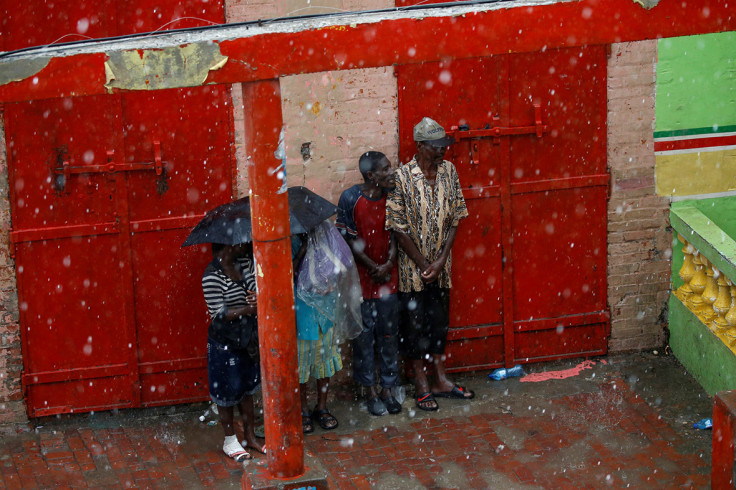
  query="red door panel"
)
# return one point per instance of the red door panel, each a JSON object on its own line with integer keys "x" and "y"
{"x": 72, "y": 341}
{"x": 194, "y": 132}
{"x": 476, "y": 301}
{"x": 441, "y": 91}
{"x": 529, "y": 264}
{"x": 194, "y": 128}
{"x": 559, "y": 232}
{"x": 546, "y": 344}
{"x": 476, "y": 297}
{"x": 171, "y": 317}
{"x": 462, "y": 92}
{"x": 570, "y": 86}
{"x": 103, "y": 192}
{"x": 68, "y": 255}
{"x": 42, "y": 135}
{"x": 89, "y": 302}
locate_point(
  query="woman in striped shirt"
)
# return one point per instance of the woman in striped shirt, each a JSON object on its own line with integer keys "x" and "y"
{"x": 233, "y": 369}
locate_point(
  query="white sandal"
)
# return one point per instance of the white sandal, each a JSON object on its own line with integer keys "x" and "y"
{"x": 235, "y": 450}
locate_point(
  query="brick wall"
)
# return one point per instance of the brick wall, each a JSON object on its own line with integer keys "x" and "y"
{"x": 639, "y": 239}
{"x": 326, "y": 110}
{"x": 12, "y": 408}
{"x": 339, "y": 115}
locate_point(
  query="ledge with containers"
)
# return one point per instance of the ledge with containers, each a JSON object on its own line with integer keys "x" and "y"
{"x": 702, "y": 306}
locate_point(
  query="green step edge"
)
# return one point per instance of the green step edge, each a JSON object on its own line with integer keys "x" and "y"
{"x": 710, "y": 240}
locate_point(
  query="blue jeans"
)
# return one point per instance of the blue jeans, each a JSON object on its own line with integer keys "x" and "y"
{"x": 380, "y": 336}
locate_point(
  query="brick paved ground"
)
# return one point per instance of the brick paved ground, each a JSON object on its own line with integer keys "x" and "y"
{"x": 622, "y": 424}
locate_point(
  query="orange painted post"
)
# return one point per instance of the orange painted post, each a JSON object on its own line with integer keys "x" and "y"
{"x": 272, "y": 250}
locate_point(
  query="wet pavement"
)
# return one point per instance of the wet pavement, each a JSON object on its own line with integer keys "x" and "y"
{"x": 617, "y": 421}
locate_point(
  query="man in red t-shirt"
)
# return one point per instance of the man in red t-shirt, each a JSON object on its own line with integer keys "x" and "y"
{"x": 361, "y": 219}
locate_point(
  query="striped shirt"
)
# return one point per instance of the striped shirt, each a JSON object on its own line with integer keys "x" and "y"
{"x": 222, "y": 293}
{"x": 426, "y": 214}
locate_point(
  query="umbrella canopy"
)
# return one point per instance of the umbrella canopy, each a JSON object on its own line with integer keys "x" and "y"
{"x": 230, "y": 223}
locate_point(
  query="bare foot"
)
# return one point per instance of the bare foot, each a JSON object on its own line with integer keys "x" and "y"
{"x": 251, "y": 442}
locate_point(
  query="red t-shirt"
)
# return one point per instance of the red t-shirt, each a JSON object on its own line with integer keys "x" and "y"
{"x": 365, "y": 219}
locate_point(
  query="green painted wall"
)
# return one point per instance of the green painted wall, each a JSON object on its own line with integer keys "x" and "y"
{"x": 702, "y": 353}
{"x": 696, "y": 84}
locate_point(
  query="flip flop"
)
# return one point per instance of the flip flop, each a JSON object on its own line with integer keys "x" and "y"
{"x": 324, "y": 418}
{"x": 457, "y": 392}
{"x": 427, "y": 398}
{"x": 239, "y": 456}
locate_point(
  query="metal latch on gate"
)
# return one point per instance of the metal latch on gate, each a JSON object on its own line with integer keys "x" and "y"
{"x": 66, "y": 170}
{"x": 496, "y": 132}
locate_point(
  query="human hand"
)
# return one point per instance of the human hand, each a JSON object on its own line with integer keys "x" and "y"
{"x": 431, "y": 273}
{"x": 252, "y": 298}
{"x": 382, "y": 273}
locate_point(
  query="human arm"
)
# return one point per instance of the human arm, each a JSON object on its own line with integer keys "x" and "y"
{"x": 382, "y": 273}
{"x": 214, "y": 287}
{"x": 397, "y": 222}
{"x": 251, "y": 308}
{"x": 357, "y": 246}
{"x": 410, "y": 248}
{"x": 431, "y": 273}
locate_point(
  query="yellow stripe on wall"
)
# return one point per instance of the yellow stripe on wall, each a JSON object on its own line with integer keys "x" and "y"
{"x": 686, "y": 174}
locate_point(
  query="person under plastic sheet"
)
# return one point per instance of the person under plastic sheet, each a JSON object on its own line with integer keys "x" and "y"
{"x": 424, "y": 210}
{"x": 327, "y": 304}
{"x": 233, "y": 368}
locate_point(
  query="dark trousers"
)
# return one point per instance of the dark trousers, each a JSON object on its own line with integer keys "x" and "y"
{"x": 425, "y": 319}
{"x": 379, "y": 338}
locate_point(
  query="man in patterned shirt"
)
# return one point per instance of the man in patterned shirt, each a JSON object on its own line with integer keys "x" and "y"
{"x": 424, "y": 210}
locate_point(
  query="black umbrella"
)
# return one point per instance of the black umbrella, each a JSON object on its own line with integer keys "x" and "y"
{"x": 230, "y": 223}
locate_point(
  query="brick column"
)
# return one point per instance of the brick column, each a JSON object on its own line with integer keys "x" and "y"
{"x": 12, "y": 408}
{"x": 639, "y": 241}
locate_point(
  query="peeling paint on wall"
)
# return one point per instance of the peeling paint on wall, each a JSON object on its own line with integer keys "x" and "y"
{"x": 15, "y": 71}
{"x": 154, "y": 69}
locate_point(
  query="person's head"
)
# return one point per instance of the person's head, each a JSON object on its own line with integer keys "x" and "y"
{"x": 431, "y": 140}
{"x": 376, "y": 169}
{"x": 240, "y": 250}
{"x": 217, "y": 248}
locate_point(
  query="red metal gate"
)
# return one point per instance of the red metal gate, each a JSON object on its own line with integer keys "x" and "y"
{"x": 103, "y": 192}
{"x": 529, "y": 264}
